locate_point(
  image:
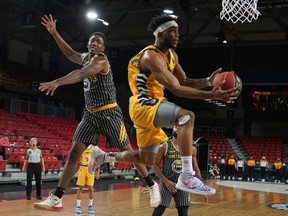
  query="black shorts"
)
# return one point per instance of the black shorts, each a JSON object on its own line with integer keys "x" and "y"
{"x": 108, "y": 122}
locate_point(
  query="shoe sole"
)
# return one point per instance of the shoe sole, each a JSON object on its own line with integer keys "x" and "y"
{"x": 46, "y": 207}
{"x": 180, "y": 187}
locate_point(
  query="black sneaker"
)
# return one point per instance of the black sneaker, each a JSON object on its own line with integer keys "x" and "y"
{"x": 28, "y": 198}
{"x": 39, "y": 198}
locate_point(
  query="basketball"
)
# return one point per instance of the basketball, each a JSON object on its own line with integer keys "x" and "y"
{"x": 231, "y": 80}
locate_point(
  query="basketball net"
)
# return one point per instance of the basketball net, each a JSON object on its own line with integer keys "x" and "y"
{"x": 239, "y": 10}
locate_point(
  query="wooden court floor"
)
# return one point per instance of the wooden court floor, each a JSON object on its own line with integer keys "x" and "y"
{"x": 129, "y": 201}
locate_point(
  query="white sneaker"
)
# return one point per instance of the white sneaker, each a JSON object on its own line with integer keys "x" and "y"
{"x": 91, "y": 210}
{"x": 97, "y": 158}
{"x": 52, "y": 203}
{"x": 194, "y": 185}
{"x": 154, "y": 192}
{"x": 78, "y": 210}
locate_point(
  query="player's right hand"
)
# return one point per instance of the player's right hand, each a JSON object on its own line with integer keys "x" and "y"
{"x": 224, "y": 95}
{"x": 171, "y": 186}
{"x": 49, "y": 23}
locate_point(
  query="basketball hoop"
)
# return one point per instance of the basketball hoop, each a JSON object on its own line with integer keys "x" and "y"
{"x": 239, "y": 10}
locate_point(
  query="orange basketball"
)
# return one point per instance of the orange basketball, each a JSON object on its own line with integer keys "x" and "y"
{"x": 231, "y": 80}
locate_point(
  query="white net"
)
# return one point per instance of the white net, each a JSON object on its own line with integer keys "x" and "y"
{"x": 239, "y": 10}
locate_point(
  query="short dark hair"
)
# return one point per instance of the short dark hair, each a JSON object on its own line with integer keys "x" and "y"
{"x": 158, "y": 20}
{"x": 101, "y": 35}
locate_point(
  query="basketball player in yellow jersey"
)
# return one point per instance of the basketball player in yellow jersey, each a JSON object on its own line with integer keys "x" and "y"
{"x": 154, "y": 68}
{"x": 86, "y": 179}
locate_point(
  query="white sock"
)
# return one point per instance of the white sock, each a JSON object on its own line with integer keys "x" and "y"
{"x": 90, "y": 202}
{"x": 187, "y": 164}
{"x": 78, "y": 202}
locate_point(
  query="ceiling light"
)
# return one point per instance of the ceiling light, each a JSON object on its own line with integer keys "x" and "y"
{"x": 168, "y": 11}
{"x": 92, "y": 15}
{"x": 173, "y": 16}
{"x": 105, "y": 23}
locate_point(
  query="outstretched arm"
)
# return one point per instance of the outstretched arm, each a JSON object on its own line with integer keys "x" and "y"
{"x": 71, "y": 54}
{"x": 194, "y": 83}
{"x": 97, "y": 64}
{"x": 154, "y": 62}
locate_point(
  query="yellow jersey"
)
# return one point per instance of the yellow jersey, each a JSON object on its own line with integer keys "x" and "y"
{"x": 143, "y": 83}
{"x": 85, "y": 157}
{"x": 84, "y": 177}
{"x": 148, "y": 93}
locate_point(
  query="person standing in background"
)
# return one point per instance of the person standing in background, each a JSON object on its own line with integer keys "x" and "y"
{"x": 231, "y": 168}
{"x": 4, "y": 143}
{"x": 223, "y": 166}
{"x": 33, "y": 161}
{"x": 86, "y": 179}
{"x": 278, "y": 166}
{"x": 263, "y": 167}
{"x": 251, "y": 167}
{"x": 240, "y": 168}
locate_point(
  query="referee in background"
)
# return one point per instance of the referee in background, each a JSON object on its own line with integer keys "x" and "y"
{"x": 32, "y": 161}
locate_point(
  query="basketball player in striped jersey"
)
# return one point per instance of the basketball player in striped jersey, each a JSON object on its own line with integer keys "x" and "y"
{"x": 169, "y": 153}
{"x": 102, "y": 115}
{"x": 153, "y": 69}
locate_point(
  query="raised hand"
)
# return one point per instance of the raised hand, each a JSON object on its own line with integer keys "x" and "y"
{"x": 49, "y": 23}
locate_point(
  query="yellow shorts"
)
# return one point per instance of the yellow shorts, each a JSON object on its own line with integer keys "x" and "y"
{"x": 143, "y": 117}
{"x": 84, "y": 177}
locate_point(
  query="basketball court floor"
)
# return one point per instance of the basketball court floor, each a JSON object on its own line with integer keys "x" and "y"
{"x": 126, "y": 199}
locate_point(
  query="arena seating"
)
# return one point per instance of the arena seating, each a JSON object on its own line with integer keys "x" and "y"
{"x": 257, "y": 147}
{"x": 219, "y": 145}
{"x": 54, "y": 136}
{"x": 3, "y": 164}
